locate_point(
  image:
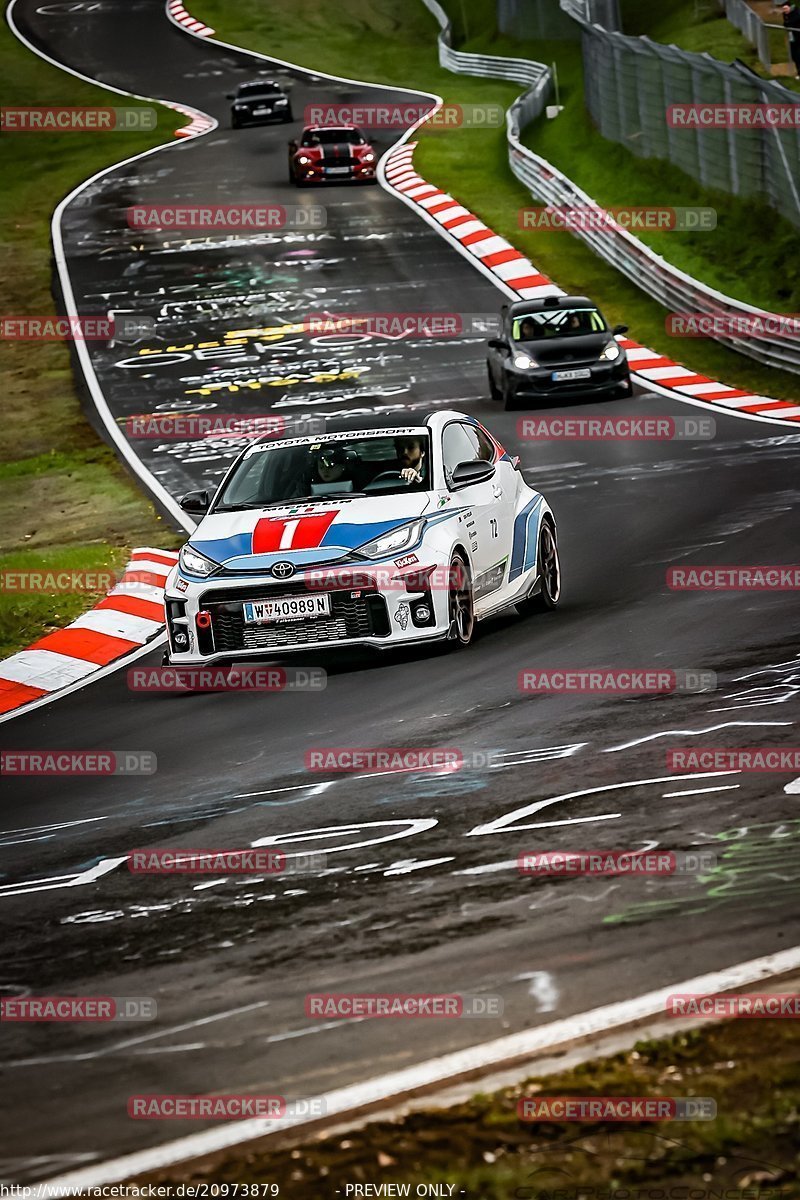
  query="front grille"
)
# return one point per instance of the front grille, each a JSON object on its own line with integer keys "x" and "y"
{"x": 352, "y": 616}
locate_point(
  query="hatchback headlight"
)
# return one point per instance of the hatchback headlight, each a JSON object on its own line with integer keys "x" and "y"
{"x": 303, "y": 161}
{"x": 368, "y": 158}
{"x": 611, "y": 352}
{"x": 523, "y": 361}
{"x": 282, "y": 100}
{"x": 194, "y": 563}
{"x": 390, "y": 543}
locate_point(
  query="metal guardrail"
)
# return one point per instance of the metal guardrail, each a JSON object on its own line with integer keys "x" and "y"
{"x": 489, "y": 66}
{"x": 674, "y": 289}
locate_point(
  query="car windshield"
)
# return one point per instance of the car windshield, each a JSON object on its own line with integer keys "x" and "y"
{"x": 257, "y": 89}
{"x": 557, "y": 322}
{"x": 365, "y": 466}
{"x": 329, "y": 137}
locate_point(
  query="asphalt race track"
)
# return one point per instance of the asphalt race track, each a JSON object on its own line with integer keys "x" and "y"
{"x": 419, "y": 892}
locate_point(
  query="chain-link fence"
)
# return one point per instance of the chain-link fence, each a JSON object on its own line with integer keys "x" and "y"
{"x": 630, "y": 84}
{"x": 769, "y": 39}
{"x": 536, "y": 20}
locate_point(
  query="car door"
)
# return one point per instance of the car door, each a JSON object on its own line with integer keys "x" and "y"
{"x": 485, "y": 521}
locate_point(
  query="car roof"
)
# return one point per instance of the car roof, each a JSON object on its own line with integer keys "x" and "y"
{"x": 549, "y": 303}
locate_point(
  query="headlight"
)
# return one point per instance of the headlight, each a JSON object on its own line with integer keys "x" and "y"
{"x": 238, "y": 104}
{"x": 194, "y": 563}
{"x": 611, "y": 352}
{"x": 303, "y": 160}
{"x": 368, "y": 158}
{"x": 523, "y": 361}
{"x": 282, "y": 101}
{"x": 390, "y": 543}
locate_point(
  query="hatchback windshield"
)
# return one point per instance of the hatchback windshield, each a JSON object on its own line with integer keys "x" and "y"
{"x": 274, "y": 474}
{"x": 557, "y": 322}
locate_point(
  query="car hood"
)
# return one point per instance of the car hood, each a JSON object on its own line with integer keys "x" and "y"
{"x": 315, "y": 532}
{"x": 585, "y": 348}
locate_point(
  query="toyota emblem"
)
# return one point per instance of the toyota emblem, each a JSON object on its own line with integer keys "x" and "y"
{"x": 283, "y": 570}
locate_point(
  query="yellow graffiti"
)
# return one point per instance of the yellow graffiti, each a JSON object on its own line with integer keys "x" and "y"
{"x": 276, "y": 381}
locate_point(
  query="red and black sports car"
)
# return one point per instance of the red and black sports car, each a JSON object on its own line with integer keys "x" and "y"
{"x": 325, "y": 153}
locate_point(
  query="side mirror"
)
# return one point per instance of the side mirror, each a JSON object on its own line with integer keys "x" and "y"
{"x": 619, "y": 329}
{"x": 498, "y": 344}
{"x": 195, "y": 502}
{"x": 476, "y": 471}
{"x": 293, "y": 144}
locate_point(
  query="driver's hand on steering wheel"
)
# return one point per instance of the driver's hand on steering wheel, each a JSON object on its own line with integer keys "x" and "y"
{"x": 410, "y": 475}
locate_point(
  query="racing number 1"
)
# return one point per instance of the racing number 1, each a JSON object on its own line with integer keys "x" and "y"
{"x": 272, "y": 534}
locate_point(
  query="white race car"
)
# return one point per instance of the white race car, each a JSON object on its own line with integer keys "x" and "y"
{"x": 372, "y": 538}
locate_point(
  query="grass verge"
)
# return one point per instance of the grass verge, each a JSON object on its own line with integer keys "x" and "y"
{"x": 481, "y": 1148}
{"x": 472, "y": 163}
{"x": 65, "y": 501}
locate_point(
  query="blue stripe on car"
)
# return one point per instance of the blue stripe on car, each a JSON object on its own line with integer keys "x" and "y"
{"x": 524, "y": 547}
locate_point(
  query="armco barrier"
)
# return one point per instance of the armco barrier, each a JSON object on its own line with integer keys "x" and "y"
{"x": 673, "y": 288}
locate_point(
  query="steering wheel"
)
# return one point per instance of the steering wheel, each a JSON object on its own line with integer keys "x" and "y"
{"x": 385, "y": 476}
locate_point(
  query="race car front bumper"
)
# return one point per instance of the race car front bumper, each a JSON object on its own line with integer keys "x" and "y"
{"x": 207, "y": 620}
{"x": 320, "y": 173}
{"x": 532, "y": 383}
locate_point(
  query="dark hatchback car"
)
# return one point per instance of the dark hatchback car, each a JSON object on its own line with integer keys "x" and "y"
{"x": 556, "y": 346}
{"x": 259, "y": 102}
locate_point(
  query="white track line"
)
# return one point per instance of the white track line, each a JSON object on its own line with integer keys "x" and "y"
{"x": 436, "y": 1072}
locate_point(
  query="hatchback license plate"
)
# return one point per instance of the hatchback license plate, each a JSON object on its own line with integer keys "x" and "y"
{"x": 286, "y": 608}
{"x": 578, "y": 373}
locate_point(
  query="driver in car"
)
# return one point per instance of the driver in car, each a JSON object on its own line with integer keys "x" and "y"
{"x": 333, "y": 471}
{"x": 411, "y": 459}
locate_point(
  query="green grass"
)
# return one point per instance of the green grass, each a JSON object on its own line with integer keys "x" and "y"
{"x": 749, "y": 1151}
{"x": 64, "y": 498}
{"x": 472, "y": 164}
